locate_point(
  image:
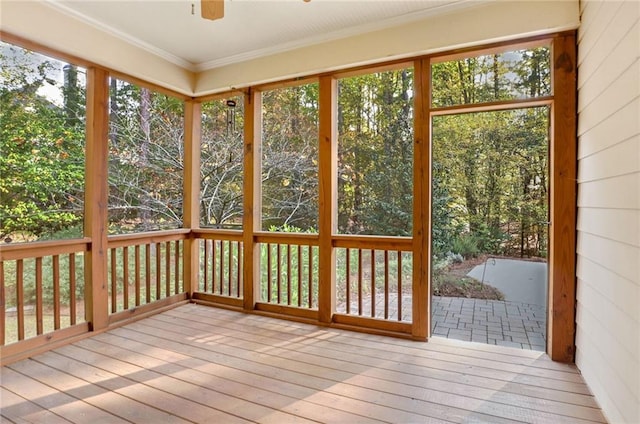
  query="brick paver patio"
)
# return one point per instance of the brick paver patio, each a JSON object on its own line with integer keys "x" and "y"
{"x": 495, "y": 322}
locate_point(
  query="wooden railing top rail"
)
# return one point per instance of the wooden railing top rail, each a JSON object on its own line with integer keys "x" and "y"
{"x": 286, "y": 238}
{"x": 339, "y": 240}
{"x": 59, "y": 247}
{"x": 38, "y": 249}
{"x": 122, "y": 240}
{"x": 372, "y": 242}
{"x": 217, "y": 234}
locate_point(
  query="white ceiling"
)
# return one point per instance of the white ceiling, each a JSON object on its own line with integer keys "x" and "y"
{"x": 249, "y": 29}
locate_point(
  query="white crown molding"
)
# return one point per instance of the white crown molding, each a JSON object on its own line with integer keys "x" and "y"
{"x": 55, "y": 4}
{"x": 336, "y": 35}
{"x": 258, "y": 53}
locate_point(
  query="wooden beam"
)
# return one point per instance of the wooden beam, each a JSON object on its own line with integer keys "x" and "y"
{"x": 96, "y": 198}
{"x": 252, "y": 197}
{"x": 327, "y": 193}
{"x": 421, "y": 298}
{"x": 563, "y": 200}
{"x": 191, "y": 203}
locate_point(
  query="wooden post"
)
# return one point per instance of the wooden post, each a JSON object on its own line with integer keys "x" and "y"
{"x": 562, "y": 202}
{"x": 252, "y": 197}
{"x": 421, "y": 299}
{"x": 327, "y": 187}
{"x": 191, "y": 204}
{"x": 96, "y": 198}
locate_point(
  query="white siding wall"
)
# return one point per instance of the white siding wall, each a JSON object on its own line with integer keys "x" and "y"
{"x": 608, "y": 269}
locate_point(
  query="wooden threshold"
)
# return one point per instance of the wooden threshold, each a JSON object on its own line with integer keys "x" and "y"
{"x": 195, "y": 363}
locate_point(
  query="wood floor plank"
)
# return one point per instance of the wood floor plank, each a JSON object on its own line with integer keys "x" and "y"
{"x": 433, "y": 361}
{"x": 495, "y": 354}
{"x": 411, "y": 350}
{"x": 319, "y": 379}
{"x": 496, "y": 410}
{"x": 183, "y": 367}
{"x": 59, "y": 403}
{"x": 193, "y": 402}
{"x": 17, "y": 409}
{"x": 361, "y": 409}
{"x": 452, "y": 399}
{"x": 59, "y": 372}
{"x": 200, "y": 364}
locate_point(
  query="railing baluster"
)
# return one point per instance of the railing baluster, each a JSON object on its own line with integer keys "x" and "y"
{"x": 373, "y": 283}
{"x": 239, "y": 267}
{"x": 348, "y": 278}
{"x": 20, "y": 297}
{"x": 214, "y": 243}
{"x": 359, "y": 281}
{"x": 137, "y": 273}
{"x": 229, "y": 267}
{"x": 125, "y": 277}
{"x": 386, "y": 284}
{"x": 399, "y": 285}
{"x": 114, "y": 291}
{"x": 299, "y": 276}
{"x": 39, "y": 299}
{"x": 221, "y": 267}
{"x": 147, "y": 268}
{"x": 288, "y": 274}
{"x": 56, "y": 292}
{"x": 158, "y": 271}
{"x": 205, "y": 271}
{"x": 72, "y": 288}
{"x": 279, "y": 272}
{"x": 3, "y": 305}
{"x": 269, "y": 265}
{"x": 167, "y": 269}
{"x": 176, "y": 267}
{"x": 310, "y": 276}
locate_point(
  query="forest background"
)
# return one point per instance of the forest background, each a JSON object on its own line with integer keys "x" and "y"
{"x": 489, "y": 169}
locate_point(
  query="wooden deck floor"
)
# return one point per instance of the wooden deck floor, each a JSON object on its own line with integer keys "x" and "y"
{"x": 201, "y": 364}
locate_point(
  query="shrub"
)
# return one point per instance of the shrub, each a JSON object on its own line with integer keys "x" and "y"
{"x": 466, "y": 245}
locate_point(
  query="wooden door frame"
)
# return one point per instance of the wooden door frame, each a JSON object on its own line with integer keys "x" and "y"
{"x": 562, "y": 184}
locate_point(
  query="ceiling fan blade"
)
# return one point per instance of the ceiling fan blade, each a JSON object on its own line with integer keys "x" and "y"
{"x": 212, "y": 9}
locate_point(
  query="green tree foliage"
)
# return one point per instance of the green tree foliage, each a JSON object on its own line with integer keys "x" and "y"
{"x": 490, "y": 168}
{"x": 41, "y": 145}
{"x": 290, "y": 157}
{"x": 375, "y": 153}
{"x": 145, "y": 159}
{"x": 221, "y": 163}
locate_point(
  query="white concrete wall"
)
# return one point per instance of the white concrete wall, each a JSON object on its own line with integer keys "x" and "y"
{"x": 608, "y": 268}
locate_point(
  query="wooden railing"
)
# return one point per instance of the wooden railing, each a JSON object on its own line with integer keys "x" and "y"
{"x": 220, "y": 263}
{"x": 374, "y": 281}
{"x": 144, "y": 268}
{"x": 42, "y": 289}
{"x": 289, "y": 269}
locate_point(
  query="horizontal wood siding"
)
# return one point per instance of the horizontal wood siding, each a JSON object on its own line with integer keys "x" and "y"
{"x": 608, "y": 245}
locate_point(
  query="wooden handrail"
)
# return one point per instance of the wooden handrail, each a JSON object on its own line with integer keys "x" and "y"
{"x": 38, "y": 249}
{"x": 286, "y": 238}
{"x": 373, "y": 242}
{"x": 217, "y": 234}
{"x": 121, "y": 240}
{"x": 60, "y": 247}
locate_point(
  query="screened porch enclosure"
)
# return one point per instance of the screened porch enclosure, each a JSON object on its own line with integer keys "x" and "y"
{"x": 324, "y": 217}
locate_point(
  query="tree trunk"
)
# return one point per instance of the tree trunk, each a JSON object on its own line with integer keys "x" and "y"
{"x": 145, "y": 127}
